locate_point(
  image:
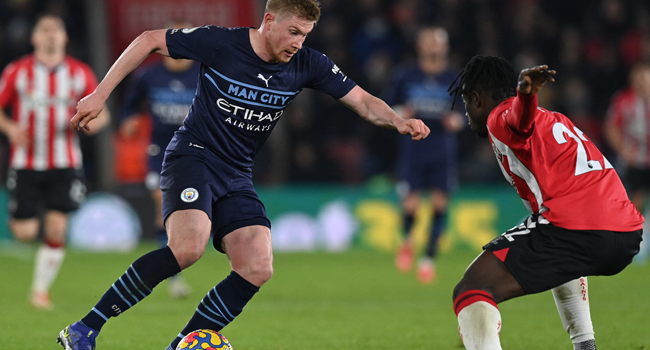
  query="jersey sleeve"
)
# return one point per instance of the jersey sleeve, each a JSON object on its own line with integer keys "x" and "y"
{"x": 135, "y": 91}
{"x": 199, "y": 43}
{"x": 7, "y": 85}
{"x": 522, "y": 116}
{"x": 327, "y": 77}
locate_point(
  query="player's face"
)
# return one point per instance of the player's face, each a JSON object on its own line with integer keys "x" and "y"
{"x": 433, "y": 42}
{"x": 286, "y": 35}
{"x": 49, "y": 35}
{"x": 477, "y": 117}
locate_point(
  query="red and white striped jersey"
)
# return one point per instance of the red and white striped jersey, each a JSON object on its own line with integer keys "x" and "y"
{"x": 631, "y": 114}
{"x": 559, "y": 173}
{"x": 43, "y": 101}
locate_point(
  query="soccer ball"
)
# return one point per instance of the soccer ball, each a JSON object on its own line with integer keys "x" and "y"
{"x": 204, "y": 339}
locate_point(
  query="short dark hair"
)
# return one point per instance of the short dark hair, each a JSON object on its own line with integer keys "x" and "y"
{"x": 308, "y": 9}
{"x": 489, "y": 74}
{"x": 43, "y": 15}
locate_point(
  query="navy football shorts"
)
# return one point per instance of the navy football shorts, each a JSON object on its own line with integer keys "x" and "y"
{"x": 542, "y": 256}
{"x": 415, "y": 175}
{"x": 195, "y": 178}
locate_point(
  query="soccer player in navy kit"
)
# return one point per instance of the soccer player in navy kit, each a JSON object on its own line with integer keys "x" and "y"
{"x": 168, "y": 88}
{"x": 420, "y": 91}
{"x": 248, "y": 77}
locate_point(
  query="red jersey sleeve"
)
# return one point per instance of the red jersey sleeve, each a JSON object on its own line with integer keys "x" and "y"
{"x": 522, "y": 117}
{"x": 91, "y": 80}
{"x": 7, "y": 85}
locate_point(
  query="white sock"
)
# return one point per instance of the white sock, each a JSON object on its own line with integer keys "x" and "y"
{"x": 572, "y": 301}
{"x": 479, "y": 322}
{"x": 46, "y": 267}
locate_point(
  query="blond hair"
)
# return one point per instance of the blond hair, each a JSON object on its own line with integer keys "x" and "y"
{"x": 307, "y": 9}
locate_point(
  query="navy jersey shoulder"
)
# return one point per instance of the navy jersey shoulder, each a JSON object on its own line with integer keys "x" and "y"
{"x": 168, "y": 95}
{"x": 240, "y": 97}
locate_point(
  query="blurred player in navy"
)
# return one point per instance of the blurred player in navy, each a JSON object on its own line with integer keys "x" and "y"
{"x": 582, "y": 222}
{"x": 168, "y": 87}
{"x": 248, "y": 76}
{"x": 45, "y": 174}
{"x": 429, "y": 166}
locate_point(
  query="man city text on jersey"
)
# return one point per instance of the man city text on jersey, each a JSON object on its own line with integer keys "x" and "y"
{"x": 240, "y": 97}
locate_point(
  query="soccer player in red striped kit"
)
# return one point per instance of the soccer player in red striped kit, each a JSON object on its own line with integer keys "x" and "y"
{"x": 582, "y": 222}
{"x": 42, "y": 90}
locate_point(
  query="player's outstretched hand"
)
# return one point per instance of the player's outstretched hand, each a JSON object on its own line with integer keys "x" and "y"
{"x": 87, "y": 109}
{"x": 415, "y": 127}
{"x": 532, "y": 79}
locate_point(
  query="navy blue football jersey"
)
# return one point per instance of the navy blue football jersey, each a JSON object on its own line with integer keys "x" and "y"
{"x": 240, "y": 97}
{"x": 427, "y": 96}
{"x": 169, "y": 96}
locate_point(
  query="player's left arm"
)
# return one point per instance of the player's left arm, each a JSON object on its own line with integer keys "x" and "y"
{"x": 379, "y": 113}
{"x": 531, "y": 81}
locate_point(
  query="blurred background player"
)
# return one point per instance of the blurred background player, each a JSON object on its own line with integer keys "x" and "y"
{"x": 167, "y": 87}
{"x": 628, "y": 131}
{"x": 582, "y": 222}
{"x": 45, "y": 165}
{"x": 430, "y": 166}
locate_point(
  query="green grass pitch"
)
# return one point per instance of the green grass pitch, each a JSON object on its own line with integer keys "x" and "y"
{"x": 351, "y": 300}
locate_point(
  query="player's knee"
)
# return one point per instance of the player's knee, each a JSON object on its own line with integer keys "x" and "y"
{"x": 458, "y": 290}
{"x": 187, "y": 252}
{"x": 24, "y": 230}
{"x": 258, "y": 271}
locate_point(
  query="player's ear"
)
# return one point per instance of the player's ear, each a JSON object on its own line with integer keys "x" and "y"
{"x": 477, "y": 99}
{"x": 269, "y": 18}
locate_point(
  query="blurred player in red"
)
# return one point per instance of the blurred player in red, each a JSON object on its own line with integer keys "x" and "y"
{"x": 582, "y": 222}
{"x": 628, "y": 131}
{"x": 420, "y": 91}
{"x": 45, "y": 172}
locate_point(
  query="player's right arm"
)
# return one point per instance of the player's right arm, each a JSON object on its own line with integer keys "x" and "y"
{"x": 17, "y": 136}
{"x": 531, "y": 80}
{"x": 149, "y": 42}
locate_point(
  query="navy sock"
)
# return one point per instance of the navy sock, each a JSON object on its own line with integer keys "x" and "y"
{"x": 220, "y": 306}
{"x": 439, "y": 223}
{"x": 134, "y": 285}
{"x": 407, "y": 223}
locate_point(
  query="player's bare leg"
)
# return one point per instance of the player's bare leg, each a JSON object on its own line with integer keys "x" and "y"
{"x": 189, "y": 232}
{"x": 486, "y": 283}
{"x": 24, "y": 230}
{"x": 251, "y": 258}
{"x": 178, "y": 288}
{"x": 572, "y": 301}
{"x": 405, "y": 255}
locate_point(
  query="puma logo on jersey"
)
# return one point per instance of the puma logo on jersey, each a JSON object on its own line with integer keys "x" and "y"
{"x": 265, "y": 79}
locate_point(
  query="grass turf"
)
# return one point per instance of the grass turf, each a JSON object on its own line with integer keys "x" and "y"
{"x": 352, "y": 300}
